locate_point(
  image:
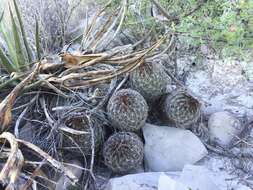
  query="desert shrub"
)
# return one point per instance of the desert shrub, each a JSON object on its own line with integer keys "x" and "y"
{"x": 223, "y": 25}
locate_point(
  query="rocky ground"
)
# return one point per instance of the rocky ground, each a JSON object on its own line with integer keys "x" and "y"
{"x": 222, "y": 85}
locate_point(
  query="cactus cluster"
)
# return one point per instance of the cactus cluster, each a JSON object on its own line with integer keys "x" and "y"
{"x": 127, "y": 111}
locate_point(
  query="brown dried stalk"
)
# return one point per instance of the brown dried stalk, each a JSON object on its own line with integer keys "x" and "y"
{"x": 89, "y": 28}
{"x": 75, "y": 80}
{"x": 7, "y": 104}
{"x": 38, "y": 173}
{"x": 98, "y": 80}
{"x": 51, "y": 160}
{"x": 11, "y": 170}
{"x": 177, "y": 19}
{"x": 102, "y": 31}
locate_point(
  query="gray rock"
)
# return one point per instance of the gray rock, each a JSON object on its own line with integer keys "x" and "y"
{"x": 223, "y": 128}
{"x": 169, "y": 148}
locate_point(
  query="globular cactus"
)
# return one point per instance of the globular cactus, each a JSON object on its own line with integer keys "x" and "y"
{"x": 127, "y": 110}
{"x": 181, "y": 108}
{"x": 92, "y": 132}
{"x": 123, "y": 152}
{"x": 150, "y": 80}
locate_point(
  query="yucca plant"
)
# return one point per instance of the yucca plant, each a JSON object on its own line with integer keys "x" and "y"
{"x": 16, "y": 54}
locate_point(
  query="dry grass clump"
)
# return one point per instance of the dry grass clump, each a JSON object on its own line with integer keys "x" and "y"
{"x": 60, "y": 20}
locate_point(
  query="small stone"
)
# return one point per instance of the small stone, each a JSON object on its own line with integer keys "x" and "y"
{"x": 123, "y": 152}
{"x": 27, "y": 132}
{"x": 127, "y": 110}
{"x": 170, "y": 148}
{"x": 223, "y": 128}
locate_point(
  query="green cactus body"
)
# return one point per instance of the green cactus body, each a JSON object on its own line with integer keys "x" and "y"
{"x": 127, "y": 110}
{"x": 150, "y": 80}
{"x": 181, "y": 108}
{"x": 83, "y": 141}
{"x": 123, "y": 152}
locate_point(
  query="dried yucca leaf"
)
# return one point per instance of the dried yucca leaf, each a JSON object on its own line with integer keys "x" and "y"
{"x": 11, "y": 169}
{"x": 50, "y": 159}
{"x": 7, "y": 104}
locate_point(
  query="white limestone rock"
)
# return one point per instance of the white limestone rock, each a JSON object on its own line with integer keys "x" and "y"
{"x": 192, "y": 177}
{"x": 166, "y": 182}
{"x": 142, "y": 181}
{"x": 197, "y": 177}
{"x": 169, "y": 148}
{"x": 223, "y": 127}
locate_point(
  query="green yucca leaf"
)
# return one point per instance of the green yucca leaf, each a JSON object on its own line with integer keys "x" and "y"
{"x": 6, "y": 62}
{"x": 37, "y": 39}
{"x": 8, "y": 82}
{"x": 8, "y": 39}
{"x": 1, "y": 16}
{"x": 27, "y": 47}
{"x": 18, "y": 47}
